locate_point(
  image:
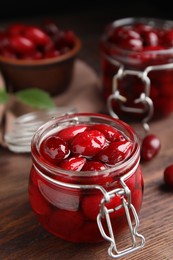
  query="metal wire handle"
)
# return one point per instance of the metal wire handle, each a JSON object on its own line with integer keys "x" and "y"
{"x": 137, "y": 240}
{"x": 144, "y": 97}
{"x": 104, "y": 212}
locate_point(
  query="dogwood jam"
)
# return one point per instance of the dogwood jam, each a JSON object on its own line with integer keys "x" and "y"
{"x": 86, "y": 182}
{"x": 137, "y": 67}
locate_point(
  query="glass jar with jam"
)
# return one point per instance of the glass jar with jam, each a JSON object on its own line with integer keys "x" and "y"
{"x": 86, "y": 183}
{"x": 137, "y": 68}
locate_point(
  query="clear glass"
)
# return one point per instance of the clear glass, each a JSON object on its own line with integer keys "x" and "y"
{"x": 67, "y": 203}
{"x": 148, "y": 60}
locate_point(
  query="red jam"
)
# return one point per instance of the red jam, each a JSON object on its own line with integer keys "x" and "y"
{"x": 136, "y": 44}
{"x": 72, "y": 151}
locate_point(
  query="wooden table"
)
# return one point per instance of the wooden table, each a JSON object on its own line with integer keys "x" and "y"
{"x": 22, "y": 238}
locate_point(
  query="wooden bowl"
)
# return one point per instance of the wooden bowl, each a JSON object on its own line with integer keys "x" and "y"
{"x": 52, "y": 75}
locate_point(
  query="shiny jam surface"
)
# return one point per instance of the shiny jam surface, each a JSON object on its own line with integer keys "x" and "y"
{"x": 70, "y": 213}
{"x": 138, "y": 44}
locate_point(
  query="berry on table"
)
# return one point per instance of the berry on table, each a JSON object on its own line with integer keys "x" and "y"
{"x": 150, "y": 147}
{"x": 168, "y": 175}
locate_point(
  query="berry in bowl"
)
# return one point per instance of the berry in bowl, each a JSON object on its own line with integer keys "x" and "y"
{"x": 38, "y": 56}
{"x": 137, "y": 67}
{"x": 85, "y": 172}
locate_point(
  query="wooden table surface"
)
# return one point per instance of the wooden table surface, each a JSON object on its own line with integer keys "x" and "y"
{"x": 22, "y": 238}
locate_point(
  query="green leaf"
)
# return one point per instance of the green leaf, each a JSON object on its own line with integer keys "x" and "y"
{"x": 36, "y": 98}
{"x": 3, "y": 96}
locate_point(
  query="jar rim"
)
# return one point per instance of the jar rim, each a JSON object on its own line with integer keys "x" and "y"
{"x": 130, "y": 21}
{"x": 36, "y": 140}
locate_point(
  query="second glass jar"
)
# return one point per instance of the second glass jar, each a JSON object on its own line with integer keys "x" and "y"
{"x": 137, "y": 58}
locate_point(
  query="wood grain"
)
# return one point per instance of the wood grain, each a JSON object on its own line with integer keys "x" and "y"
{"x": 22, "y": 238}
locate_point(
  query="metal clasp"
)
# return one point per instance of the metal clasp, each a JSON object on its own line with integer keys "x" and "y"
{"x": 137, "y": 240}
{"x": 125, "y": 195}
{"x": 143, "y": 98}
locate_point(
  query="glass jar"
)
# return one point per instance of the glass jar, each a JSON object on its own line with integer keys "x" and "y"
{"x": 86, "y": 206}
{"x": 137, "y": 68}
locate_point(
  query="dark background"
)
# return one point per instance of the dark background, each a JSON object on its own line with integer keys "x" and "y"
{"x": 120, "y": 8}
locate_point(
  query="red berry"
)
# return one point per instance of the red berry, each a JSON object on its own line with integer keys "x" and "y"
{"x": 21, "y": 45}
{"x": 4, "y": 41}
{"x": 168, "y": 175}
{"x": 88, "y": 143}
{"x": 67, "y": 134}
{"x": 133, "y": 44}
{"x": 91, "y": 206}
{"x": 66, "y": 223}
{"x": 64, "y": 50}
{"x": 123, "y": 33}
{"x": 22, "y": 41}
{"x": 94, "y": 166}
{"x": 59, "y": 40}
{"x": 7, "y": 52}
{"x": 150, "y": 147}
{"x": 89, "y": 233}
{"x": 110, "y": 133}
{"x": 37, "y": 55}
{"x": 127, "y": 38}
{"x": 150, "y": 38}
{"x": 149, "y": 35}
{"x": 142, "y": 28}
{"x": 38, "y": 203}
{"x": 70, "y": 38}
{"x": 52, "y": 54}
{"x": 115, "y": 152}
{"x": 38, "y": 36}
{"x": 73, "y": 163}
{"x": 50, "y": 27}
{"x": 168, "y": 38}
{"x": 54, "y": 149}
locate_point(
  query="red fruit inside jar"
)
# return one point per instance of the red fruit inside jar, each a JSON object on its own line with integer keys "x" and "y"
{"x": 136, "y": 44}
{"x": 72, "y": 154}
{"x": 24, "y": 41}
